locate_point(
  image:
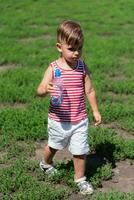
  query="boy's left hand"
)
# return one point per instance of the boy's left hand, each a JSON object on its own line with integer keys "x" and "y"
{"x": 97, "y": 117}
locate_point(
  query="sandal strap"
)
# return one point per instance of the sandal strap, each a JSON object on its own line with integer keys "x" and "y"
{"x": 80, "y": 179}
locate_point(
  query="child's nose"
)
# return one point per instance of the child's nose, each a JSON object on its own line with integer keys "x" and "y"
{"x": 76, "y": 52}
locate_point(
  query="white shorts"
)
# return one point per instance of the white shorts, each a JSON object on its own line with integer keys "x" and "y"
{"x": 75, "y": 135}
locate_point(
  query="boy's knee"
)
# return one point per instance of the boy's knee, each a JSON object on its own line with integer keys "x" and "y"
{"x": 83, "y": 156}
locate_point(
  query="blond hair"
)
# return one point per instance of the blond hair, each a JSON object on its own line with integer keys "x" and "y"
{"x": 71, "y": 33}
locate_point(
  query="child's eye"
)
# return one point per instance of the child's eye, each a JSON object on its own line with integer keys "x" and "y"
{"x": 71, "y": 49}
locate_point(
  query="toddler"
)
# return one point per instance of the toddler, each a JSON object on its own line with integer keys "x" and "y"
{"x": 68, "y": 122}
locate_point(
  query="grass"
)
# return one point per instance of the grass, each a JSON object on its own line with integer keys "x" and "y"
{"x": 114, "y": 195}
{"x": 27, "y": 40}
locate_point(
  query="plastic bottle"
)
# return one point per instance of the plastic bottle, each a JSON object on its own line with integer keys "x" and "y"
{"x": 57, "y": 95}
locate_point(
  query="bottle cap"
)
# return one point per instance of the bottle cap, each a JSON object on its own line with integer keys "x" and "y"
{"x": 57, "y": 73}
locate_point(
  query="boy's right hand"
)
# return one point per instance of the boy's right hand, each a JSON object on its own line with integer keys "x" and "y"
{"x": 50, "y": 87}
{"x": 46, "y": 85}
{"x": 44, "y": 90}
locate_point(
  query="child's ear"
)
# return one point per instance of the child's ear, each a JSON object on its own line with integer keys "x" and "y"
{"x": 58, "y": 45}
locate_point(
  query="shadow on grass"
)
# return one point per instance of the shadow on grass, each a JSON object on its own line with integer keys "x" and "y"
{"x": 103, "y": 155}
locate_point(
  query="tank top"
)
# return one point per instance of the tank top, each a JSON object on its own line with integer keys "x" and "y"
{"x": 73, "y": 107}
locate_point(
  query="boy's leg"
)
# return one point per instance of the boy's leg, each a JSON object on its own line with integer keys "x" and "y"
{"x": 79, "y": 178}
{"x": 49, "y": 154}
{"x": 79, "y": 166}
{"x": 46, "y": 164}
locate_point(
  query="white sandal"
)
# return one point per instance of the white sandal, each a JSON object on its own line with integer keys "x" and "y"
{"x": 48, "y": 169}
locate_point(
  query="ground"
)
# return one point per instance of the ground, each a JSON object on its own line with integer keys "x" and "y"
{"x": 122, "y": 179}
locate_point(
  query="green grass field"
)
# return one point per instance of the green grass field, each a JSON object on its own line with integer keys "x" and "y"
{"x": 27, "y": 46}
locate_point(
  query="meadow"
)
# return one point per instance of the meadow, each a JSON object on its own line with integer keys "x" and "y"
{"x": 27, "y": 46}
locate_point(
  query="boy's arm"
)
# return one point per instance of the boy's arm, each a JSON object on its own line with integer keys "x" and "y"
{"x": 46, "y": 85}
{"x": 90, "y": 93}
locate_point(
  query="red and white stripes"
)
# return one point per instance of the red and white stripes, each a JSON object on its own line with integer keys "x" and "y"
{"x": 73, "y": 106}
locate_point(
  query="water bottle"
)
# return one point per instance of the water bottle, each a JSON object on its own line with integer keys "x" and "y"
{"x": 57, "y": 95}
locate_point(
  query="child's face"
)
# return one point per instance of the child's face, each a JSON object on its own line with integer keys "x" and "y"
{"x": 69, "y": 53}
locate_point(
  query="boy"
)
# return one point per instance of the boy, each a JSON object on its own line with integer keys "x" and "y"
{"x": 68, "y": 123}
